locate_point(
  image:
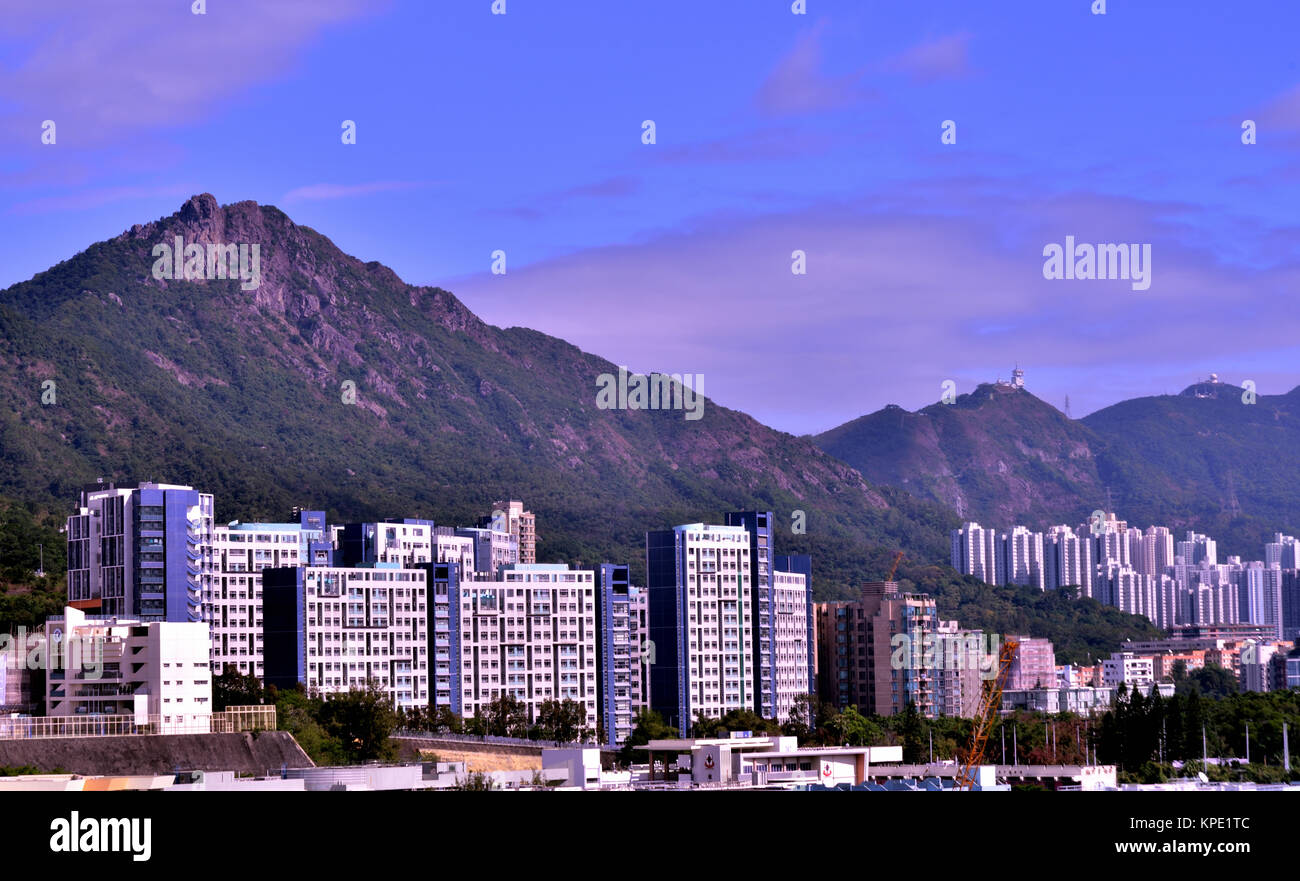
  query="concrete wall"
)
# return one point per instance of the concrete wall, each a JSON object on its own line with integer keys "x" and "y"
{"x": 158, "y": 754}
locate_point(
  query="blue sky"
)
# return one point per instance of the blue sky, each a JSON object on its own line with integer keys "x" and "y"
{"x": 774, "y": 132}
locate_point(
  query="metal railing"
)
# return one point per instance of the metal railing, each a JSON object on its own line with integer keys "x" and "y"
{"x": 492, "y": 738}
{"x": 232, "y": 720}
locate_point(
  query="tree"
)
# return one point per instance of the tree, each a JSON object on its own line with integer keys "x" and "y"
{"x": 824, "y": 724}
{"x": 649, "y": 726}
{"x": 913, "y": 733}
{"x": 802, "y": 715}
{"x": 851, "y": 728}
{"x": 445, "y": 721}
{"x": 1214, "y": 681}
{"x": 734, "y": 720}
{"x": 362, "y": 720}
{"x": 297, "y": 713}
{"x": 476, "y": 782}
{"x": 564, "y": 721}
{"x": 235, "y": 689}
{"x": 506, "y": 716}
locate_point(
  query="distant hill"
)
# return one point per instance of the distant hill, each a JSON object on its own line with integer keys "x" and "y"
{"x": 1202, "y": 459}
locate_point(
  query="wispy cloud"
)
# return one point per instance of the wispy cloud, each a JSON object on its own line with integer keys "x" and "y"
{"x": 319, "y": 192}
{"x": 617, "y": 187}
{"x": 610, "y": 187}
{"x": 1282, "y": 112}
{"x": 93, "y": 198}
{"x": 798, "y": 84}
{"x": 757, "y": 145}
{"x": 146, "y": 65}
{"x": 941, "y": 58}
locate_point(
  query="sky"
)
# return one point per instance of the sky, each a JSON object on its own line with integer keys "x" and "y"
{"x": 774, "y": 132}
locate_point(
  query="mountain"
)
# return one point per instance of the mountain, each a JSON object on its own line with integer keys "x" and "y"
{"x": 1202, "y": 460}
{"x": 998, "y": 452}
{"x": 241, "y": 393}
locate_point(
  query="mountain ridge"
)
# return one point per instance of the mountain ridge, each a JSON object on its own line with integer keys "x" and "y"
{"x": 241, "y": 392}
{"x": 1201, "y": 459}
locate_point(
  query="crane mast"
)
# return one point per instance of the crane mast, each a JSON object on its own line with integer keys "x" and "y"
{"x": 989, "y": 712}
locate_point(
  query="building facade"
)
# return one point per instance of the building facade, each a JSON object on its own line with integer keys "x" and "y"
{"x": 143, "y": 552}
{"x": 880, "y": 653}
{"x": 699, "y": 579}
{"x": 335, "y": 629}
{"x": 232, "y": 606}
{"x": 620, "y": 650}
{"x": 510, "y": 517}
{"x": 792, "y": 651}
{"x": 762, "y": 604}
{"x": 532, "y": 634}
{"x": 118, "y": 666}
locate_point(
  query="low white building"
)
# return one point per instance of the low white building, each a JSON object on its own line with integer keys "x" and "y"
{"x": 746, "y": 760}
{"x": 157, "y": 671}
{"x": 1127, "y": 668}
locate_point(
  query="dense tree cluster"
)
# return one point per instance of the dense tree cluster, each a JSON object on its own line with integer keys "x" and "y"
{"x": 564, "y": 721}
{"x": 1143, "y": 736}
{"x": 347, "y": 728}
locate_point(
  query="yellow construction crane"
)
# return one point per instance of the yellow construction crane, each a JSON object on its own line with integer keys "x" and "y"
{"x": 894, "y": 568}
{"x": 989, "y": 712}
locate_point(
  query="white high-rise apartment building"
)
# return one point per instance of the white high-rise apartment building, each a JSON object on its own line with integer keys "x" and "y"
{"x": 1170, "y": 606}
{"x": 334, "y": 629}
{"x": 1023, "y": 557}
{"x": 701, "y": 622}
{"x": 401, "y": 542}
{"x": 1154, "y": 553}
{"x": 1131, "y": 591}
{"x": 976, "y": 551}
{"x": 1196, "y": 549}
{"x": 1283, "y": 551}
{"x": 1067, "y": 560}
{"x": 1212, "y": 601}
{"x": 792, "y": 654}
{"x": 530, "y": 633}
{"x": 1110, "y": 546}
{"x": 233, "y": 604}
{"x": 493, "y": 550}
{"x": 448, "y": 547}
{"x": 512, "y": 518}
{"x": 1260, "y": 596}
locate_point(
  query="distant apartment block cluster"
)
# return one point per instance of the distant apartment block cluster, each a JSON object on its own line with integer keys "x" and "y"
{"x": 1146, "y": 572}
